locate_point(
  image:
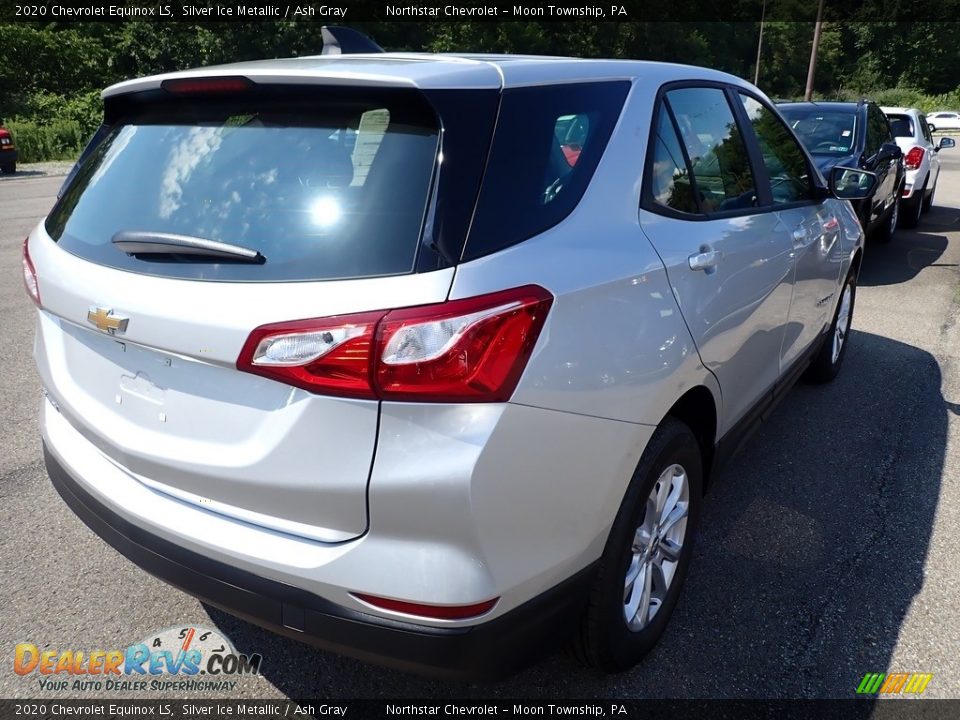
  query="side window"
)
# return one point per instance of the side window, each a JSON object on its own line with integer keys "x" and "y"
{"x": 887, "y": 134}
{"x": 878, "y": 128}
{"x": 718, "y": 157}
{"x": 875, "y": 133}
{"x": 786, "y": 165}
{"x": 669, "y": 175}
{"x": 559, "y": 133}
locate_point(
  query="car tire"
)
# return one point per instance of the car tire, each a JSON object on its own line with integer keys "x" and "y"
{"x": 928, "y": 200}
{"x": 607, "y": 639}
{"x": 10, "y": 169}
{"x": 913, "y": 208}
{"x": 885, "y": 232}
{"x": 833, "y": 348}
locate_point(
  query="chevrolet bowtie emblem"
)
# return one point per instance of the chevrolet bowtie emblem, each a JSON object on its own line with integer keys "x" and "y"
{"x": 105, "y": 320}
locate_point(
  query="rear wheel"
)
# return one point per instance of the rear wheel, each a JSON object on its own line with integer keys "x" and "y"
{"x": 885, "y": 232}
{"x": 928, "y": 200}
{"x": 10, "y": 169}
{"x": 826, "y": 364}
{"x": 647, "y": 554}
{"x": 913, "y": 207}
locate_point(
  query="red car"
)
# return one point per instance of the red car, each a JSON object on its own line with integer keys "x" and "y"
{"x": 8, "y": 152}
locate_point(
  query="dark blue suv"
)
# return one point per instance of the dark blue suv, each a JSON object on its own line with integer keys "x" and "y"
{"x": 854, "y": 134}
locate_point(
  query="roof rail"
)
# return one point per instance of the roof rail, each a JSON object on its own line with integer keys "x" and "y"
{"x": 338, "y": 40}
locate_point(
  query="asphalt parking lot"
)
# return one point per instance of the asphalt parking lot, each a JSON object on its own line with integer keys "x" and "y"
{"x": 829, "y": 547}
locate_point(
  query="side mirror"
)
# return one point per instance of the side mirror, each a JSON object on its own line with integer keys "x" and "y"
{"x": 946, "y": 143}
{"x": 889, "y": 151}
{"x": 847, "y": 183}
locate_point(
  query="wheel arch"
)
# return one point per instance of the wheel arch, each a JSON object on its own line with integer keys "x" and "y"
{"x": 698, "y": 409}
{"x": 857, "y": 261}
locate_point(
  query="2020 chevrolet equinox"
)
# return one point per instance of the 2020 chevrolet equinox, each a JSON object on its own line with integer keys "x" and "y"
{"x": 366, "y": 349}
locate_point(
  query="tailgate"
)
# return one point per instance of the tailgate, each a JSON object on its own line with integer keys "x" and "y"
{"x": 247, "y": 206}
{"x": 165, "y": 401}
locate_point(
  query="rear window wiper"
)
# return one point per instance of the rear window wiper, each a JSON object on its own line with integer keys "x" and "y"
{"x": 137, "y": 242}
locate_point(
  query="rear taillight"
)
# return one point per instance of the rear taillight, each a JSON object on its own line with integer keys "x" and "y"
{"x": 912, "y": 160}
{"x": 30, "y": 274}
{"x": 470, "y": 350}
{"x": 464, "y": 350}
{"x": 327, "y": 355}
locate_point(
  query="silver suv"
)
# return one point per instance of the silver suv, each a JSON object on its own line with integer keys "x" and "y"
{"x": 429, "y": 359}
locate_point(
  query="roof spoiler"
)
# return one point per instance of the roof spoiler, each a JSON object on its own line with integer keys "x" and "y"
{"x": 339, "y": 40}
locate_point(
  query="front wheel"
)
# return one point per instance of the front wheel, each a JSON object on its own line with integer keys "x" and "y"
{"x": 826, "y": 364}
{"x": 647, "y": 554}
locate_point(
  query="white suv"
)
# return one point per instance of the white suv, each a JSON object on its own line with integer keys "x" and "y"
{"x": 911, "y": 130}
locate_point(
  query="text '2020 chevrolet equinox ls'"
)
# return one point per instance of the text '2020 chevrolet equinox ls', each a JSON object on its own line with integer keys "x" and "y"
{"x": 427, "y": 359}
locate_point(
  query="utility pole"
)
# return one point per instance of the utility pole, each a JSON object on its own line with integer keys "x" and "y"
{"x": 813, "y": 53}
{"x": 756, "y": 71}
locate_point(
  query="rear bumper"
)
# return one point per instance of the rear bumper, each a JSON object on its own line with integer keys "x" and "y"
{"x": 487, "y": 650}
{"x": 913, "y": 181}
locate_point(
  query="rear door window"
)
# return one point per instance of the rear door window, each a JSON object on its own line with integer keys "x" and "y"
{"x": 322, "y": 190}
{"x": 670, "y": 182}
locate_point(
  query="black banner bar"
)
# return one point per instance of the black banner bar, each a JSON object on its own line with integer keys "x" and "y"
{"x": 874, "y": 708}
{"x": 353, "y": 11}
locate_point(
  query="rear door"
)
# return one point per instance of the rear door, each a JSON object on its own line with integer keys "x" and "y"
{"x": 138, "y": 344}
{"x": 728, "y": 261}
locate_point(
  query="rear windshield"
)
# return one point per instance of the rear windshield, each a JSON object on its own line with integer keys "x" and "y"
{"x": 330, "y": 188}
{"x": 902, "y": 125}
{"x": 823, "y": 132}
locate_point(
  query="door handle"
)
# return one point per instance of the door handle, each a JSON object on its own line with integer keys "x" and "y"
{"x": 799, "y": 237}
{"x": 705, "y": 260}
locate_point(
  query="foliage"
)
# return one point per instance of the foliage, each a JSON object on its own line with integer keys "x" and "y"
{"x": 53, "y": 140}
{"x": 52, "y": 72}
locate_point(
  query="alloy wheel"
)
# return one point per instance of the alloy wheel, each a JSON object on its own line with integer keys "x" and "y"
{"x": 656, "y": 547}
{"x": 843, "y": 321}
